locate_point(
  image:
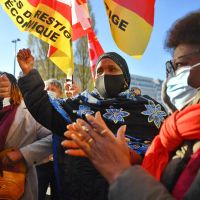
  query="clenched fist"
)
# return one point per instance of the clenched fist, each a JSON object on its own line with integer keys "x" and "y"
{"x": 5, "y": 86}
{"x": 25, "y": 60}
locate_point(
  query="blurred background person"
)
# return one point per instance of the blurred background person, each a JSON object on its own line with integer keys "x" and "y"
{"x": 46, "y": 171}
{"x": 136, "y": 90}
{"x": 54, "y": 88}
{"x": 19, "y": 129}
{"x": 71, "y": 88}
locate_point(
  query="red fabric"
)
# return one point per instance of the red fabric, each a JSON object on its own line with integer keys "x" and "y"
{"x": 63, "y": 8}
{"x": 185, "y": 180}
{"x": 81, "y": 24}
{"x": 78, "y": 31}
{"x": 7, "y": 115}
{"x": 144, "y": 8}
{"x": 95, "y": 50}
{"x": 73, "y": 15}
{"x": 181, "y": 125}
{"x": 51, "y": 50}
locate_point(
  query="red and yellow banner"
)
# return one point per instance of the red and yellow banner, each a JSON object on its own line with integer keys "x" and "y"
{"x": 131, "y": 23}
{"x": 49, "y": 20}
{"x": 81, "y": 25}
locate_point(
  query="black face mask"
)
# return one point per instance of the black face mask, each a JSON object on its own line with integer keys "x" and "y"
{"x": 110, "y": 86}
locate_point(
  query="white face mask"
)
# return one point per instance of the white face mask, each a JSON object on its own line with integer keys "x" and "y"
{"x": 178, "y": 90}
{"x": 51, "y": 94}
{"x": 6, "y": 101}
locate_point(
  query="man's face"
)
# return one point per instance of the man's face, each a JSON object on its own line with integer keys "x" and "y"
{"x": 53, "y": 88}
{"x": 107, "y": 66}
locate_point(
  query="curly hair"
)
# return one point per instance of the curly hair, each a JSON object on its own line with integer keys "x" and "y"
{"x": 184, "y": 31}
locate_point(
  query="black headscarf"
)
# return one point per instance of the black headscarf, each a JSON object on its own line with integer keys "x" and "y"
{"x": 119, "y": 60}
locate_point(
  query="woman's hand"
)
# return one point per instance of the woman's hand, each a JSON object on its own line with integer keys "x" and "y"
{"x": 13, "y": 160}
{"x": 5, "y": 86}
{"x": 25, "y": 60}
{"x": 109, "y": 154}
{"x": 72, "y": 147}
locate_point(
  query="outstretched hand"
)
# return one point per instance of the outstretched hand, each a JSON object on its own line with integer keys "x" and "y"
{"x": 25, "y": 60}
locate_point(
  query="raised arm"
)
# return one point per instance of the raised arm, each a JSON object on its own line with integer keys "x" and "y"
{"x": 36, "y": 99}
{"x": 25, "y": 60}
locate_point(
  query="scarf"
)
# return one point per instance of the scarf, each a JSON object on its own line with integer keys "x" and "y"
{"x": 180, "y": 126}
{"x": 7, "y": 115}
{"x": 187, "y": 177}
{"x": 142, "y": 115}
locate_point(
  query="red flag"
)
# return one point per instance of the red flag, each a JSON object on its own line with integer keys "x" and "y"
{"x": 95, "y": 50}
{"x": 81, "y": 25}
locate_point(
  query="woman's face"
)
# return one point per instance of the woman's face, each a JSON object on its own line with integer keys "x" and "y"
{"x": 107, "y": 66}
{"x": 188, "y": 55}
{"x": 55, "y": 89}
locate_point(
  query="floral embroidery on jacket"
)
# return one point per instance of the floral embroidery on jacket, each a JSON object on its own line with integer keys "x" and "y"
{"x": 155, "y": 113}
{"x": 83, "y": 110}
{"x": 116, "y": 115}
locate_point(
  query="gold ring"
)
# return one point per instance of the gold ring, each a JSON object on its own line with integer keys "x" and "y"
{"x": 85, "y": 129}
{"x": 102, "y": 133}
{"x": 90, "y": 141}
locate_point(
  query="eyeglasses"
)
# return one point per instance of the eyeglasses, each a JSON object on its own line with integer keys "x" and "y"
{"x": 170, "y": 71}
{"x": 170, "y": 67}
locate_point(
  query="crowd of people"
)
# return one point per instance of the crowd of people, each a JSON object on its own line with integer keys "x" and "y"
{"x": 112, "y": 143}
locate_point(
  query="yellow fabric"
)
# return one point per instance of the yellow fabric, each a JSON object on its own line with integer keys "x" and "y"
{"x": 46, "y": 24}
{"x": 60, "y": 59}
{"x": 130, "y": 32}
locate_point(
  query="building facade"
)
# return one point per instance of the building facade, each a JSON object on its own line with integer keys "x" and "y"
{"x": 148, "y": 86}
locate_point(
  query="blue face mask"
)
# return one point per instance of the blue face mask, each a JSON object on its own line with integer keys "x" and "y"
{"x": 51, "y": 94}
{"x": 178, "y": 90}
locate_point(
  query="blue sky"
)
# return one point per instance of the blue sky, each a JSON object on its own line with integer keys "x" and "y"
{"x": 152, "y": 63}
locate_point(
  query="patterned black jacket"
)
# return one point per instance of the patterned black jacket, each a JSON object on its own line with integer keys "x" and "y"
{"x": 80, "y": 180}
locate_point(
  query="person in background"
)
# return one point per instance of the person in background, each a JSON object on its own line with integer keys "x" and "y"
{"x": 142, "y": 115}
{"x": 54, "y": 88}
{"x": 136, "y": 90}
{"x": 45, "y": 170}
{"x": 19, "y": 129}
{"x": 171, "y": 166}
{"x": 71, "y": 88}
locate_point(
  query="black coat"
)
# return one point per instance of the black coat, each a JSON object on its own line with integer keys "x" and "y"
{"x": 137, "y": 184}
{"x": 80, "y": 180}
